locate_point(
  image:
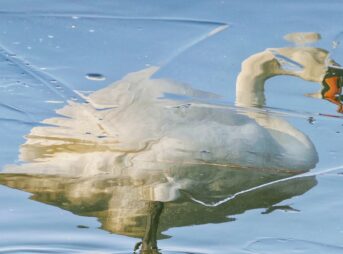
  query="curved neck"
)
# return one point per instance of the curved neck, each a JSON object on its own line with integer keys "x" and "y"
{"x": 250, "y": 81}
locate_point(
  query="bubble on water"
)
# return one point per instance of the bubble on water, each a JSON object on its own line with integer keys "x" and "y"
{"x": 335, "y": 44}
{"x": 95, "y": 76}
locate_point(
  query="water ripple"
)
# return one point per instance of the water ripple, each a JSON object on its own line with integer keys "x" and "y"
{"x": 291, "y": 246}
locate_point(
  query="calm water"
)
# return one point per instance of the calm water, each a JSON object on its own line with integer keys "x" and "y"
{"x": 198, "y": 127}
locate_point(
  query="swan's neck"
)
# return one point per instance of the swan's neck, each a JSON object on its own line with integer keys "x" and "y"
{"x": 250, "y": 92}
{"x": 250, "y": 81}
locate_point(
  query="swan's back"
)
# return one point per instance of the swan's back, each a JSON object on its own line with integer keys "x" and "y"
{"x": 136, "y": 122}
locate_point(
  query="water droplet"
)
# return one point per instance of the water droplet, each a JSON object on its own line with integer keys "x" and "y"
{"x": 73, "y": 26}
{"x": 75, "y": 17}
{"x": 204, "y": 151}
{"x": 54, "y": 102}
{"x": 29, "y": 47}
{"x": 82, "y": 226}
{"x": 95, "y": 76}
{"x": 91, "y": 30}
{"x": 50, "y": 36}
{"x": 311, "y": 120}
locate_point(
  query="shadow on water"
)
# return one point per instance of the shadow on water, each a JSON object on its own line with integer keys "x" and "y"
{"x": 138, "y": 160}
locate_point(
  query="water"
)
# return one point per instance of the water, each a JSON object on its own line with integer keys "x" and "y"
{"x": 186, "y": 150}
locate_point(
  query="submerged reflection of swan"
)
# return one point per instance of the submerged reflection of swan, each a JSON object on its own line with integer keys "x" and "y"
{"x": 144, "y": 146}
{"x": 130, "y": 204}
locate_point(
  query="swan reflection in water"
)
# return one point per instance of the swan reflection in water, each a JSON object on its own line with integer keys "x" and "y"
{"x": 132, "y": 151}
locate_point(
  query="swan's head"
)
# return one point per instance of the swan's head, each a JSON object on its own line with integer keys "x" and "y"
{"x": 308, "y": 63}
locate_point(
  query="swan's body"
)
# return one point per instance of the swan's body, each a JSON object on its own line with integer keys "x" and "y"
{"x": 136, "y": 124}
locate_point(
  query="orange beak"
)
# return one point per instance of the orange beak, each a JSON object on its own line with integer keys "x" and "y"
{"x": 332, "y": 87}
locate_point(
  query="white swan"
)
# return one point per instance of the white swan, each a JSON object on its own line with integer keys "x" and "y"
{"x": 144, "y": 147}
{"x": 135, "y": 123}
